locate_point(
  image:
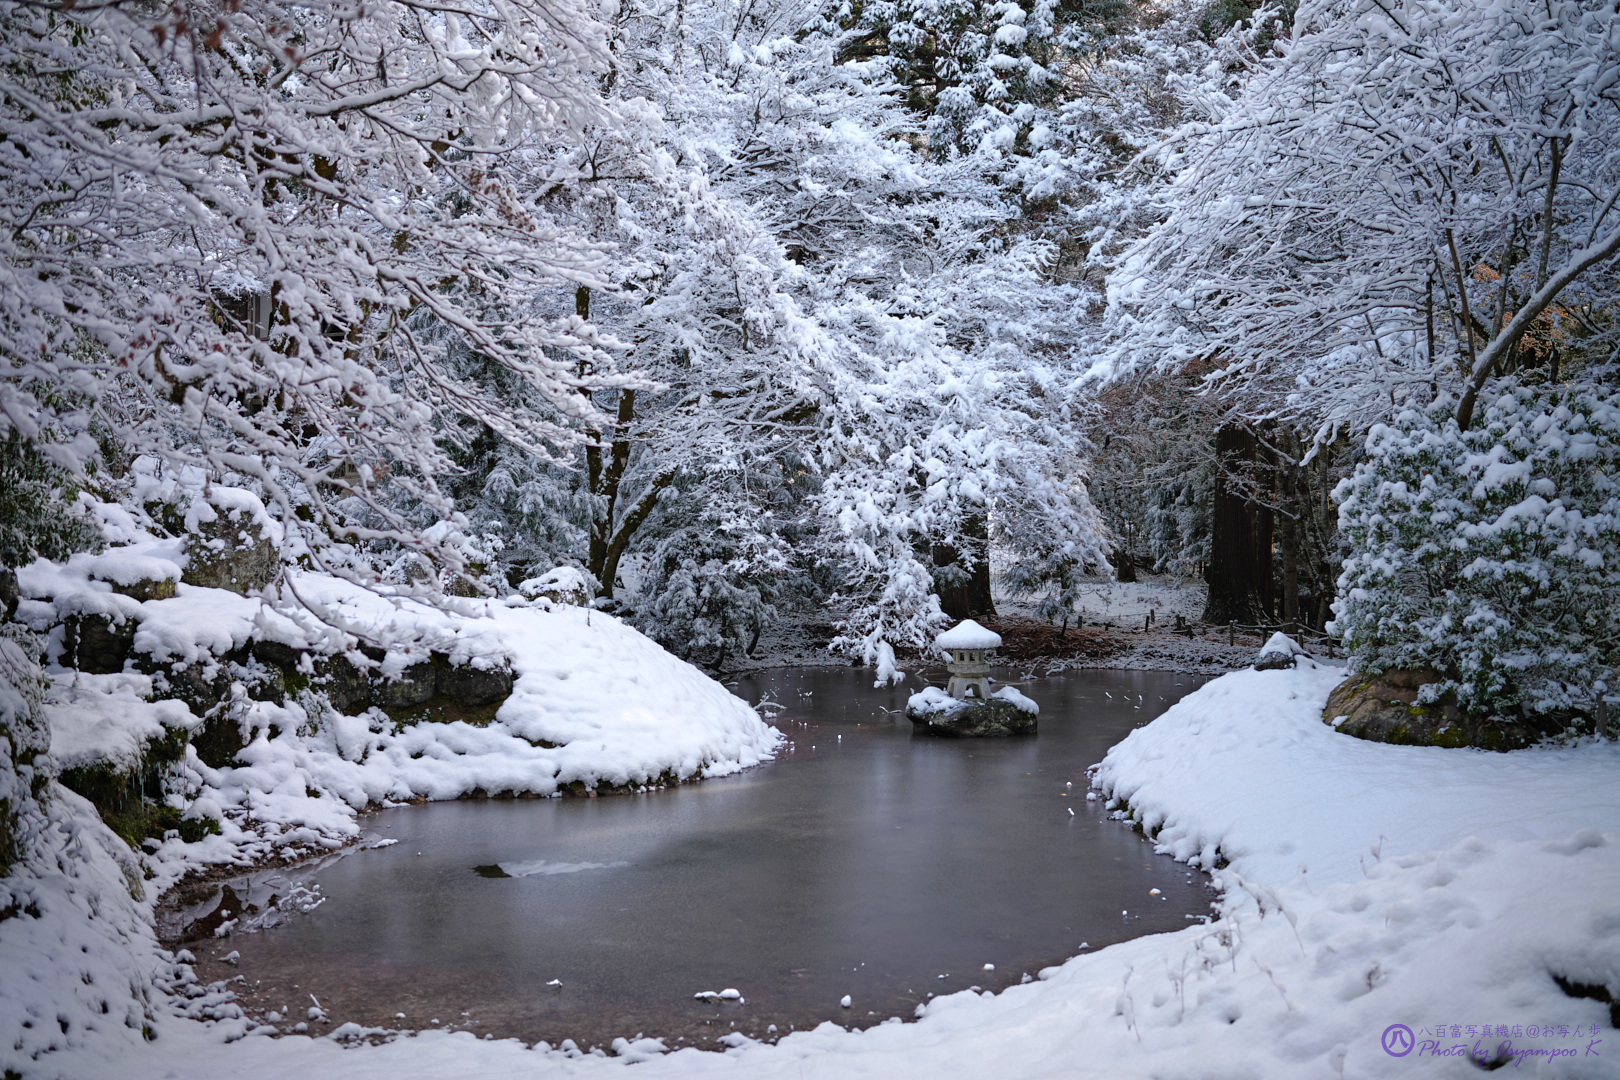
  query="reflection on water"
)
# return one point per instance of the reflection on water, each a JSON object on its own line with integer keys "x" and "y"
{"x": 865, "y": 861}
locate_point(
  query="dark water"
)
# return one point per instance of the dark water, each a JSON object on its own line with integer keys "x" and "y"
{"x": 865, "y": 861}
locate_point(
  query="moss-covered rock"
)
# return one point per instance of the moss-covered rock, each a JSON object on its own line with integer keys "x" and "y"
{"x": 1386, "y": 708}
{"x": 230, "y": 546}
{"x": 128, "y": 795}
{"x": 97, "y": 644}
{"x": 147, "y": 589}
{"x": 218, "y": 740}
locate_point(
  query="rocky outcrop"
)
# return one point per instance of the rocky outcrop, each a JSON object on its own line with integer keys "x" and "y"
{"x": 97, "y": 644}
{"x": 561, "y": 585}
{"x": 433, "y": 689}
{"x": 1385, "y": 708}
{"x": 234, "y": 551}
{"x": 270, "y": 671}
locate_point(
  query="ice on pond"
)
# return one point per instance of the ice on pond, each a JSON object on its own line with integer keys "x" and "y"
{"x": 539, "y": 867}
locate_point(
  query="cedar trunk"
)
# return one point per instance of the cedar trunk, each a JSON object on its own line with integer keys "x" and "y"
{"x": 965, "y": 595}
{"x": 1239, "y": 570}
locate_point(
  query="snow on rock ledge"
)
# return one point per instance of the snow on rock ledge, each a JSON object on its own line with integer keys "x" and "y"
{"x": 581, "y": 701}
{"x": 593, "y": 704}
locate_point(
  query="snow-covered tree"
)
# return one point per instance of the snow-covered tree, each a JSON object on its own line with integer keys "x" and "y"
{"x": 952, "y": 410}
{"x": 811, "y": 293}
{"x": 245, "y": 236}
{"x": 1411, "y": 195}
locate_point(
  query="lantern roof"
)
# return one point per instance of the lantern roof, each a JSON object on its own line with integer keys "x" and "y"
{"x": 968, "y": 634}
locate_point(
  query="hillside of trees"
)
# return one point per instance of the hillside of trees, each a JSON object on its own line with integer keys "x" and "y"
{"x": 756, "y": 310}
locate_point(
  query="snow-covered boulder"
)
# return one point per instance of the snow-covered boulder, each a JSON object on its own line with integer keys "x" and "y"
{"x": 561, "y": 585}
{"x": 1005, "y": 712}
{"x": 1281, "y": 651}
{"x": 1391, "y": 708}
{"x": 227, "y": 539}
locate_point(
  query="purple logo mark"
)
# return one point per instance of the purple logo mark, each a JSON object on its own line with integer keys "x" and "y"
{"x": 1398, "y": 1040}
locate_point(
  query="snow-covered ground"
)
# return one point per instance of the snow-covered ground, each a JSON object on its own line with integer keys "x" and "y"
{"x": 1123, "y": 604}
{"x": 1366, "y": 886}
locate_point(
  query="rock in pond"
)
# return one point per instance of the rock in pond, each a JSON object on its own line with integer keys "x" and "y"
{"x": 1006, "y": 712}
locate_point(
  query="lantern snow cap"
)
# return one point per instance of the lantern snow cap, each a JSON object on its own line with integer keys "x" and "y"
{"x": 967, "y": 642}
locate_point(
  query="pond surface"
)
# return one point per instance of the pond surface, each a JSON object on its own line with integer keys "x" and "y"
{"x": 865, "y": 861}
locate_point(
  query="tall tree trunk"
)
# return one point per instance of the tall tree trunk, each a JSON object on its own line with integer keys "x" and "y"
{"x": 1265, "y": 582}
{"x": 1239, "y": 570}
{"x": 1124, "y": 565}
{"x": 965, "y": 595}
{"x": 603, "y": 480}
{"x": 1288, "y": 549}
{"x": 605, "y": 483}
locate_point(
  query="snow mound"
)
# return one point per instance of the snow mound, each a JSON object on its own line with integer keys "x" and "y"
{"x": 931, "y": 701}
{"x": 1245, "y": 769}
{"x": 1280, "y": 644}
{"x": 593, "y": 703}
{"x": 1012, "y": 697}
{"x": 562, "y": 584}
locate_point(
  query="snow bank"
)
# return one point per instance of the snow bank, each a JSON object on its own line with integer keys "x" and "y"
{"x": 78, "y": 955}
{"x": 1301, "y": 987}
{"x": 592, "y": 702}
{"x": 107, "y": 719}
{"x": 1246, "y": 768}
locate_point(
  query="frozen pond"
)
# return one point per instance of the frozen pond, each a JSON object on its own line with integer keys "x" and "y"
{"x": 865, "y": 861}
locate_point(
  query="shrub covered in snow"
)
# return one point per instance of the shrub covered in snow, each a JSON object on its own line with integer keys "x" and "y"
{"x": 1491, "y": 555}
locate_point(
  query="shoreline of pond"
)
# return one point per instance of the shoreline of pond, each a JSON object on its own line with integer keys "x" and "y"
{"x": 212, "y": 969}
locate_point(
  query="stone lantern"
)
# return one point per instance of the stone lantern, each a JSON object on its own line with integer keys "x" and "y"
{"x": 967, "y": 642}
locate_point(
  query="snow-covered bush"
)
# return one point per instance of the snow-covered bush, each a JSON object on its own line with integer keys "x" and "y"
{"x": 1491, "y": 555}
